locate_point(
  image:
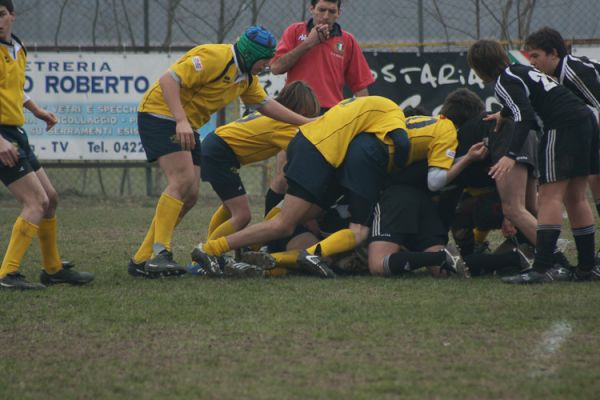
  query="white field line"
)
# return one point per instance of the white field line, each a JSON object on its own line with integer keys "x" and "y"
{"x": 552, "y": 339}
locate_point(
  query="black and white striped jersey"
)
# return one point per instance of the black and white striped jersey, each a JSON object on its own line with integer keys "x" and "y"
{"x": 526, "y": 92}
{"x": 581, "y": 75}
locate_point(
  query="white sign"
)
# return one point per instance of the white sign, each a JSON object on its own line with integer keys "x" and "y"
{"x": 95, "y": 96}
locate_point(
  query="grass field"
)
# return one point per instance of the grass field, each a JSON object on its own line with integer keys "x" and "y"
{"x": 362, "y": 337}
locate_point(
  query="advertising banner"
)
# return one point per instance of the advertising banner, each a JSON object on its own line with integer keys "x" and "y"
{"x": 95, "y": 96}
{"x": 424, "y": 80}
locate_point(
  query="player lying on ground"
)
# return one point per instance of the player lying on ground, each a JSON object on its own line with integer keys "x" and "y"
{"x": 335, "y": 151}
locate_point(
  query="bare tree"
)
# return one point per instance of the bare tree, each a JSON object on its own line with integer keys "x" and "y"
{"x": 128, "y": 23}
{"x": 95, "y": 22}
{"x": 225, "y": 20}
{"x": 524, "y": 16}
{"x": 171, "y": 9}
{"x": 60, "y": 19}
{"x": 116, "y": 21}
{"x": 256, "y": 8}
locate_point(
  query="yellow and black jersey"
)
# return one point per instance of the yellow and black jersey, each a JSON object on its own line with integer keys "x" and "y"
{"x": 13, "y": 59}
{"x": 332, "y": 133}
{"x": 433, "y": 139}
{"x": 210, "y": 78}
{"x": 256, "y": 137}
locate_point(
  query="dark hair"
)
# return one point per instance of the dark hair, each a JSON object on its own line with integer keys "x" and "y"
{"x": 339, "y": 2}
{"x": 8, "y": 4}
{"x": 461, "y": 105}
{"x": 411, "y": 111}
{"x": 488, "y": 59}
{"x": 546, "y": 39}
{"x": 300, "y": 98}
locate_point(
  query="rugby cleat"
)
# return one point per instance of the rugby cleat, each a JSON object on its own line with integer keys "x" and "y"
{"x": 556, "y": 274}
{"x": 454, "y": 263}
{"x": 137, "y": 269}
{"x": 163, "y": 264}
{"x": 581, "y": 275}
{"x": 526, "y": 256}
{"x": 238, "y": 269}
{"x": 17, "y": 281}
{"x": 209, "y": 263}
{"x": 66, "y": 275}
{"x": 314, "y": 265}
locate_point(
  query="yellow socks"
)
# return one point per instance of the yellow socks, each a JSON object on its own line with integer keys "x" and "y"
{"x": 165, "y": 219}
{"x": 226, "y": 228}
{"x": 216, "y": 247}
{"x": 219, "y": 217}
{"x": 144, "y": 253}
{"x": 49, "y": 245}
{"x": 480, "y": 235}
{"x": 338, "y": 242}
{"x": 20, "y": 239}
{"x": 272, "y": 213}
{"x": 286, "y": 259}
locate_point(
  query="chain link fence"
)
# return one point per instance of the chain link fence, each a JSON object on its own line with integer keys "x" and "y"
{"x": 177, "y": 25}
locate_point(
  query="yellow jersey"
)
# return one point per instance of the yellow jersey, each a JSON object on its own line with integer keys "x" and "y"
{"x": 332, "y": 133}
{"x": 210, "y": 78}
{"x": 433, "y": 139}
{"x": 13, "y": 60}
{"x": 256, "y": 137}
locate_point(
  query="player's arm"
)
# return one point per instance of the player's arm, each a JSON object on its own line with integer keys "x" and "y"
{"x": 584, "y": 77}
{"x": 283, "y": 63}
{"x": 273, "y": 109}
{"x": 437, "y": 177}
{"x": 513, "y": 96}
{"x": 48, "y": 117}
{"x": 170, "y": 85}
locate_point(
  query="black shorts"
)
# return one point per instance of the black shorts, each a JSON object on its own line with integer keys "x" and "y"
{"x": 499, "y": 143}
{"x": 407, "y": 216}
{"x": 220, "y": 167}
{"x": 27, "y": 162}
{"x": 569, "y": 152}
{"x": 309, "y": 175}
{"x": 159, "y": 138}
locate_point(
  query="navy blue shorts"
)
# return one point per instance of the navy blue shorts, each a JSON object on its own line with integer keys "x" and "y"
{"x": 220, "y": 167}
{"x": 27, "y": 162}
{"x": 309, "y": 175}
{"x": 569, "y": 152}
{"x": 159, "y": 138}
{"x": 408, "y": 217}
{"x": 364, "y": 169}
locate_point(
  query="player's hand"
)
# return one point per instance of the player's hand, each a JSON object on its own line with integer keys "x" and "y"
{"x": 185, "y": 135}
{"x": 504, "y": 165}
{"x": 477, "y": 152}
{"x": 508, "y": 228}
{"x": 496, "y": 117}
{"x": 318, "y": 34}
{"x": 9, "y": 155}
{"x": 48, "y": 117}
